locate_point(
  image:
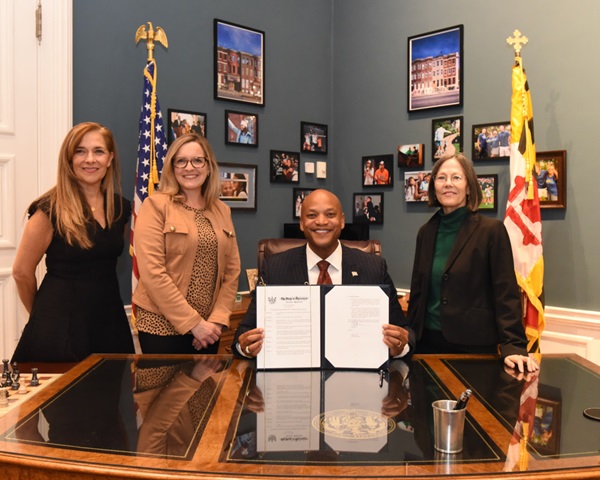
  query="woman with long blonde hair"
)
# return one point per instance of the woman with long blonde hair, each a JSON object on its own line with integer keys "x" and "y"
{"x": 79, "y": 225}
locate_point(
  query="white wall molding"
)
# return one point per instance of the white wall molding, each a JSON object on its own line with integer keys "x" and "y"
{"x": 8, "y": 313}
{"x": 7, "y": 202}
{"x": 7, "y": 67}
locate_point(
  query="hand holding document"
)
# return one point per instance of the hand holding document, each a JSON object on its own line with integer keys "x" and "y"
{"x": 317, "y": 326}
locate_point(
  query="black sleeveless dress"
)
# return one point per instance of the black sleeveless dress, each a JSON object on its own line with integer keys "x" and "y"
{"x": 78, "y": 309}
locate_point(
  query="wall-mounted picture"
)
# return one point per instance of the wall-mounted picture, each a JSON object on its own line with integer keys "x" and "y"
{"x": 378, "y": 171}
{"x": 435, "y": 69}
{"x": 185, "y": 121}
{"x": 241, "y": 128}
{"x": 297, "y": 199}
{"x": 551, "y": 174}
{"x": 367, "y": 208}
{"x": 238, "y": 185}
{"x": 313, "y": 137}
{"x": 239, "y": 70}
{"x": 284, "y": 166}
{"x": 545, "y": 438}
{"x": 416, "y": 186}
{"x": 411, "y": 156}
{"x": 491, "y": 141}
{"x": 489, "y": 189}
{"x": 447, "y": 138}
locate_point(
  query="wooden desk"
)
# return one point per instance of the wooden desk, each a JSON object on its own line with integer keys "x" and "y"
{"x": 203, "y": 417}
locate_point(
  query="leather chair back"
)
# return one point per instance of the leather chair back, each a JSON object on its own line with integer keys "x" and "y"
{"x": 271, "y": 246}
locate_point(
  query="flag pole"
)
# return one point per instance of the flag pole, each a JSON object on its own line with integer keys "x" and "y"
{"x": 152, "y": 142}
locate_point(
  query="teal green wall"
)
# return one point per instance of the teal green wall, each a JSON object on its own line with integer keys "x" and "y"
{"x": 343, "y": 63}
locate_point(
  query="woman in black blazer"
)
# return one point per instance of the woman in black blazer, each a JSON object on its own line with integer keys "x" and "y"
{"x": 464, "y": 296}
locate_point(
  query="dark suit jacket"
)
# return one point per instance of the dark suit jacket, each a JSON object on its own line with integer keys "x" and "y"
{"x": 289, "y": 268}
{"x": 480, "y": 300}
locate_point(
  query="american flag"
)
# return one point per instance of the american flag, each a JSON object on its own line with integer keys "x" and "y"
{"x": 152, "y": 147}
{"x": 523, "y": 219}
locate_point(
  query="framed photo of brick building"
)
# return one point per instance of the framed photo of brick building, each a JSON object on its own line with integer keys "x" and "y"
{"x": 435, "y": 69}
{"x": 239, "y": 64}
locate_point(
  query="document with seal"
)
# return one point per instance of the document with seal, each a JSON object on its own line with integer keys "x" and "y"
{"x": 291, "y": 318}
{"x": 322, "y": 326}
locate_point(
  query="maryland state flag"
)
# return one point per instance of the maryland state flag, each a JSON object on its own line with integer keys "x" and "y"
{"x": 152, "y": 148}
{"x": 523, "y": 220}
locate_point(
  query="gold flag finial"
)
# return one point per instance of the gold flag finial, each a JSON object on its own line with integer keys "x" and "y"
{"x": 151, "y": 36}
{"x": 517, "y": 41}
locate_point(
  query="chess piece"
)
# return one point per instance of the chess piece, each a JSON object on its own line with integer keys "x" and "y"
{"x": 6, "y": 371}
{"x": 16, "y": 375}
{"x": 3, "y": 397}
{"x": 8, "y": 380}
{"x": 23, "y": 388}
{"x": 34, "y": 378}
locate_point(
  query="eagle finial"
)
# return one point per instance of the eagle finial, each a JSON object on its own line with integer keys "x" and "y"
{"x": 151, "y": 36}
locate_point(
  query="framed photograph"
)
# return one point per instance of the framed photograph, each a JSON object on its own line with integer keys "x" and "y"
{"x": 446, "y": 135}
{"x": 313, "y": 137}
{"x": 367, "y": 208}
{"x": 284, "y": 166}
{"x": 547, "y": 421}
{"x": 411, "y": 155}
{"x": 489, "y": 188}
{"x": 491, "y": 141}
{"x": 416, "y": 186}
{"x": 435, "y": 69}
{"x": 238, "y": 185}
{"x": 239, "y": 69}
{"x": 297, "y": 199}
{"x": 241, "y": 128}
{"x": 378, "y": 171}
{"x": 551, "y": 175}
{"x": 185, "y": 121}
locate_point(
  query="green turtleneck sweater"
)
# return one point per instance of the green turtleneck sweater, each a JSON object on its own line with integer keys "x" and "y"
{"x": 444, "y": 243}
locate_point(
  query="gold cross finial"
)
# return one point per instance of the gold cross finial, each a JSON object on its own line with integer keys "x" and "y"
{"x": 151, "y": 36}
{"x": 517, "y": 42}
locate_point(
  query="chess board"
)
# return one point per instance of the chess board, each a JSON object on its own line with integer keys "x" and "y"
{"x": 18, "y": 397}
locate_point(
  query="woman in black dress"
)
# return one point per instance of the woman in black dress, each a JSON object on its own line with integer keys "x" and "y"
{"x": 79, "y": 225}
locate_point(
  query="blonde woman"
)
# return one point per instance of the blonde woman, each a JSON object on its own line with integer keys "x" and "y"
{"x": 79, "y": 225}
{"x": 187, "y": 254}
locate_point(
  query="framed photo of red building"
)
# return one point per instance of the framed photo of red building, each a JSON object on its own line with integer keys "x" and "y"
{"x": 435, "y": 69}
{"x": 239, "y": 70}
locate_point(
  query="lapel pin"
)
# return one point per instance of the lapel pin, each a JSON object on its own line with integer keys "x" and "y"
{"x": 354, "y": 274}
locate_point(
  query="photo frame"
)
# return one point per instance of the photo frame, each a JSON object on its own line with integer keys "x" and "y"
{"x": 368, "y": 208}
{"x": 411, "y": 155}
{"x": 238, "y": 185}
{"x": 239, "y": 63}
{"x": 241, "y": 128}
{"x": 284, "y": 166}
{"x": 416, "y": 186}
{"x": 545, "y": 438}
{"x": 185, "y": 121}
{"x": 377, "y": 171}
{"x": 298, "y": 197}
{"x": 489, "y": 189}
{"x": 313, "y": 138}
{"x": 550, "y": 172}
{"x": 436, "y": 69}
{"x": 491, "y": 141}
{"x": 446, "y": 136}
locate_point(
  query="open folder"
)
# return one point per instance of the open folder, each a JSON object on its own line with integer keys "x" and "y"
{"x": 322, "y": 326}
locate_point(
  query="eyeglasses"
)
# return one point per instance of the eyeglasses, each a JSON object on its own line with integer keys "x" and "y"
{"x": 197, "y": 162}
{"x": 444, "y": 178}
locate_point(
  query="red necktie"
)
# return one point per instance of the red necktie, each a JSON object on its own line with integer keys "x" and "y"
{"x": 324, "y": 278}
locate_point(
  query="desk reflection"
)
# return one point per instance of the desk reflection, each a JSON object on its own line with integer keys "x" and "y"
{"x": 344, "y": 416}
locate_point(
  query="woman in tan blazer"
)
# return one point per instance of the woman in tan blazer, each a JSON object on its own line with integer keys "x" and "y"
{"x": 187, "y": 255}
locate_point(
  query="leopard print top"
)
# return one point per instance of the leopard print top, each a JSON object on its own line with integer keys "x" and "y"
{"x": 202, "y": 283}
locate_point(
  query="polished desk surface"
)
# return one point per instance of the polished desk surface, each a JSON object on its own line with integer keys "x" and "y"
{"x": 216, "y": 417}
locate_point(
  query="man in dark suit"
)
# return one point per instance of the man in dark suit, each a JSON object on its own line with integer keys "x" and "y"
{"x": 322, "y": 221}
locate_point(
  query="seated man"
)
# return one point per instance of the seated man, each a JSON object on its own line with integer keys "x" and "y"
{"x": 322, "y": 221}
